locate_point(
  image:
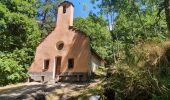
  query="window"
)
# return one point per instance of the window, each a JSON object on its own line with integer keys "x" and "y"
{"x": 70, "y": 63}
{"x": 64, "y": 9}
{"x": 60, "y": 45}
{"x": 46, "y": 63}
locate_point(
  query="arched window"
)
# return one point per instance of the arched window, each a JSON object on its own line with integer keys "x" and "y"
{"x": 64, "y": 9}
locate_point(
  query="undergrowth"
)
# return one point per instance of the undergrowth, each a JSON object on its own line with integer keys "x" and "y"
{"x": 142, "y": 73}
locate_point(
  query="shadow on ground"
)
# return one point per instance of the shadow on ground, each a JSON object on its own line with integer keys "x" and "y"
{"x": 36, "y": 92}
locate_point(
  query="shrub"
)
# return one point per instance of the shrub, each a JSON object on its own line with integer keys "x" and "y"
{"x": 142, "y": 75}
{"x": 134, "y": 83}
{"x": 10, "y": 71}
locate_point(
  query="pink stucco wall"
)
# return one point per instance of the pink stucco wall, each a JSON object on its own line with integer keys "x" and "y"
{"x": 76, "y": 45}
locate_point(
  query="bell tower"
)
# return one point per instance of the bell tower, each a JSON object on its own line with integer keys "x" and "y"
{"x": 65, "y": 14}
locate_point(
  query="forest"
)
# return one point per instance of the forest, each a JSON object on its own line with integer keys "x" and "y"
{"x": 131, "y": 35}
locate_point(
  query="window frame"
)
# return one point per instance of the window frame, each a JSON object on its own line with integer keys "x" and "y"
{"x": 60, "y": 45}
{"x": 70, "y": 63}
{"x": 46, "y": 64}
{"x": 64, "y": 9}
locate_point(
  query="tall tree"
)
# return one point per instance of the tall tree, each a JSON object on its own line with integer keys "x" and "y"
{"x": 19, "y": 35}
{"x": 132, "y": 21}
{"x": 137, "y": 24}
{"x": 110, "y": 8}
{"x": 167, "y": 12}
{"x": 47, "y": 14}
{"x": 19, "y": 28}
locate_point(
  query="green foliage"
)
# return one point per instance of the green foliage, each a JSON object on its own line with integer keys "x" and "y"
{"x": 145, "y": 76}
{"x": 135, "y": 25}
{"x": 138, "y": 70}
{"x": 10, "y": 70}
{"x": 47, "y": 14}
{"x": 20, "y": 31}
{"x": 17, "y": 30}
{"x": 166, "y": 94}
{"x": 133, "y": 83}
{"x": 96, "y": 90}
{"x": 19, "y": 35}
{"x": 25, "y": 7}
{"x": 96, "y": 28}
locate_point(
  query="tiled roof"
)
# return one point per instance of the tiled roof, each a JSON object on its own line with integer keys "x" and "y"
{"x": 68, "y": 2}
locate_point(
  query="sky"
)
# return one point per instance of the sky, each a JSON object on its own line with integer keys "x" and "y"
{"x": 79, "y": 8}
{"x": 79, "y": 11}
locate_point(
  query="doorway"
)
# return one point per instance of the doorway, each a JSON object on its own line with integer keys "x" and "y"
{"x": 57, "y": 65}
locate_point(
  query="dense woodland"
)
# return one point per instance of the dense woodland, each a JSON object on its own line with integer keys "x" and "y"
{"x": 131, "y": 35}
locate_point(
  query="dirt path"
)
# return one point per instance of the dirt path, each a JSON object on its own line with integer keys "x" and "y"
{"x": 26, "y": 90}
{"x": 71, "y": 90}
{"x": 31, "y": 91}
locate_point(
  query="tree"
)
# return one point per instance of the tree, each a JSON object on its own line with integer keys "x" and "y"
{"x": 131, "y": 22}
{"x": 47, "y": 15}
{"x": 19, "y": 28}
{"x": 137, "y": 23}
{"x": 19, "y": 36}
{"x": 112, "y": 7}
{"x": 10, "y": 70}
{"x": 167, "y": 12}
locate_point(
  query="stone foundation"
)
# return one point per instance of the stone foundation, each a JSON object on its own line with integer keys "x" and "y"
{"x": 41, "y": 76}
{"x": 67, "y": 76}
{"x": 74, "y": 76}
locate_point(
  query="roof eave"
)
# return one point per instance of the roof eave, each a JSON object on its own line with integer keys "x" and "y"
{"x": 66, "y": 2}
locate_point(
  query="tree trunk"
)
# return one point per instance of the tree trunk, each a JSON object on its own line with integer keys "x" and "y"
{"x": 167, "y": 13}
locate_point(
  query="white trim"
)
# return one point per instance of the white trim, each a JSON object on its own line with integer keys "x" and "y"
{"x": 44, "y": 63}
{"x": 54, "y": 68}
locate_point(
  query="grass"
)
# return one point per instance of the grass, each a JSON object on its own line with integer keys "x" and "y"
{"x": 165, "y": 80}
{"x": 97, "y": 90}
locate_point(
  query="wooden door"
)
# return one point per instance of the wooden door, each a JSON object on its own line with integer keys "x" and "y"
{"x": 58, "y": 64}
